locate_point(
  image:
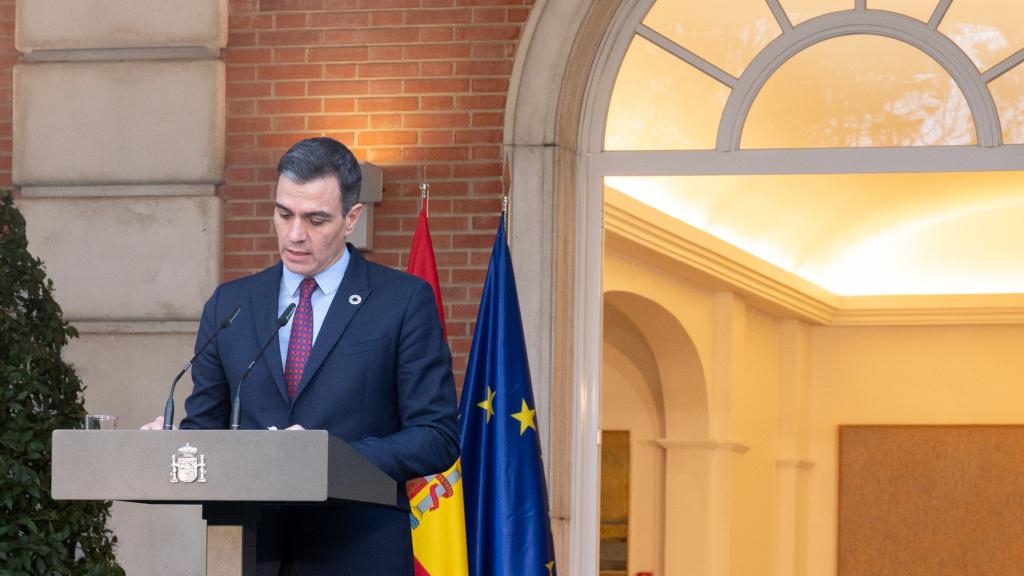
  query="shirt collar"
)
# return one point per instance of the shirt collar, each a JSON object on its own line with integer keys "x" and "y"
{"x": 327, "y": 281}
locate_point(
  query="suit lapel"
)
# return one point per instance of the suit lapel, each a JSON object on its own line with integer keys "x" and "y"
{"x": 350, "y": 297}
{"x": 264, "y": 310}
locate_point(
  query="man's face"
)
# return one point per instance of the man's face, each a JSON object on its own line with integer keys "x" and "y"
{"x": 311, "y": 229}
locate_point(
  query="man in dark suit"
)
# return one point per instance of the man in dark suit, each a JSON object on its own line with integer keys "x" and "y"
{"x": 363, "y": 357}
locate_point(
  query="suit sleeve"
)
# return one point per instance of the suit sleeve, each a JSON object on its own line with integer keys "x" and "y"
{"x": 428, "y": 441}
{"x": 208, "y": 406}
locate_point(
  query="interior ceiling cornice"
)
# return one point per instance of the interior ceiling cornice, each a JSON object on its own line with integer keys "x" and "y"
{"x": 646, "y": 234}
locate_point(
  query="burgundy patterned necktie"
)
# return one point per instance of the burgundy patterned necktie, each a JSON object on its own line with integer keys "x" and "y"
{"x": 301, "y": 341}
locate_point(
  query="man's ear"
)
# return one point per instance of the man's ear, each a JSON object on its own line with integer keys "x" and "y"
{"x": 352, "y": 218}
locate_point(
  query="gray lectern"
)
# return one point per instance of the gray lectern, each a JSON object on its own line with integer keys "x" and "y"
{"x": 231, "y": 473}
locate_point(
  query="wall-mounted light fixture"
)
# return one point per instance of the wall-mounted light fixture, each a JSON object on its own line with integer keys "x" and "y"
{"x": 369, "y": 194}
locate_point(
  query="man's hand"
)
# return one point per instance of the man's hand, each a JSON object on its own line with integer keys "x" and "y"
{"x": 157, "y": 424}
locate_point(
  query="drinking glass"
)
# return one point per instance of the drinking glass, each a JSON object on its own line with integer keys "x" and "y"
{"x": 100, "y": 422}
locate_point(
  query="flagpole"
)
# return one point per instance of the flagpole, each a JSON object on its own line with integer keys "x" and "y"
{"x": 502, "y": 466}
{"x": 437, "y": 506}
{"x": 424, "y": 189}
{"x": 506, "y": 185}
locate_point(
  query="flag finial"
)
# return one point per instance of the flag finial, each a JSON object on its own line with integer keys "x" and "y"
{"x": 506, "y": 186}
{"x": 424, "y": 188}
{"x": 506, "y": 179}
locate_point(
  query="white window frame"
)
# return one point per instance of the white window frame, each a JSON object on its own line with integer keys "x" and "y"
{"x": 594, "y": 164}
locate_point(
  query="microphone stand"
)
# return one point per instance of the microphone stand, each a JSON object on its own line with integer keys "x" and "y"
{"x": 236, "y": 401}
{"x": 169, "y": 406}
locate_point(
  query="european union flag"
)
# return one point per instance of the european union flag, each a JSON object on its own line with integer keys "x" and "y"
{"x": 507, "y": 526}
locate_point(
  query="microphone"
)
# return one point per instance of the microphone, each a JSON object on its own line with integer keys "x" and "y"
{"x": 169, "y": 407}
{"x": 236, "y": 402}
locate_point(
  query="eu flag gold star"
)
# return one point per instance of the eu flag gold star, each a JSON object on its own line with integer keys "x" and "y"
{"x": 525, "y": 417}
{"x": 550, "y": 566}
{"x": 488, "y": 405}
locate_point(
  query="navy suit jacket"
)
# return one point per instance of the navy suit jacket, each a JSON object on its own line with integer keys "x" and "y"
{"x": 379, "y": 377}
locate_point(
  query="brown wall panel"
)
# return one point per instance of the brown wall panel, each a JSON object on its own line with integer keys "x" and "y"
{"x": 931, "y": 500}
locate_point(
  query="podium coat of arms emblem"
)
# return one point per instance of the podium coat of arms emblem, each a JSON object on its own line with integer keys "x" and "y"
{"x": 187, "y": 465}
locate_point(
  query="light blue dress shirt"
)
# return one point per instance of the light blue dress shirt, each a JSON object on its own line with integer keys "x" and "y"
{"x": 327, "y": 284}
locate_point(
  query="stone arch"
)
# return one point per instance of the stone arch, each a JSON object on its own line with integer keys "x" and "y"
{"x": 550, "y": 221}
{"x": 561, "y": 305}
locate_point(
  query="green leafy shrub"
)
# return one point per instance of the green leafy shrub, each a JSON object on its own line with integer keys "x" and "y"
{"x": 39, "y": 393}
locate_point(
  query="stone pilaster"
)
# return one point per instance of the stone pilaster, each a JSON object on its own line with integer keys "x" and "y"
{"x": 118, "y": 147}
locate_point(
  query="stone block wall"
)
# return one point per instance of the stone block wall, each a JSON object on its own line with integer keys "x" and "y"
{"x": 114, "y": 124}
{"x": 8, "y": 56}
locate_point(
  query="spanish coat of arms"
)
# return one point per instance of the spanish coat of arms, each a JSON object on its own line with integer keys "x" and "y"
{"x": 187, "y": 465}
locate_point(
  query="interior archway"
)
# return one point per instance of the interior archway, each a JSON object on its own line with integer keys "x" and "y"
{"x": 632, "y": 513}
{"x": 677, "y": 375}
{"x": 653, "y": 386}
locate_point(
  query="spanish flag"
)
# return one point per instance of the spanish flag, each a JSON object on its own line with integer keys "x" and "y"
{"x": 437, "y": 510}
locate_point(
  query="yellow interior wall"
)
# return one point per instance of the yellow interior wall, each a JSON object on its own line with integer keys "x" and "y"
{"x": 901, "y": 375}
{"x": 690, "y": 305}
{"x": 755, "y": 424}
{"x": 856, "y": 375}
{"x": 749, "y": 416}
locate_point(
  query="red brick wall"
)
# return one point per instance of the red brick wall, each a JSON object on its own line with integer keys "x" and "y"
{"x": 8, "y": 57}
{"x": 406, "y": 84}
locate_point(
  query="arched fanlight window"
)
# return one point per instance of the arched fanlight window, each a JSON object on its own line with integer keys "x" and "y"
{"x": 813, "y": 74}
{"x": 678, "y": 108}
{"x": 859, "y": 90}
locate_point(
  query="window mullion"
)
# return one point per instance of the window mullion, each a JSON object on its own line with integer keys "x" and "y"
{"x": 690, "y": 58}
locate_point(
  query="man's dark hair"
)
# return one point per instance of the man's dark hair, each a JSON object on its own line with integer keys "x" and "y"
{"x": 315, "y": 158}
